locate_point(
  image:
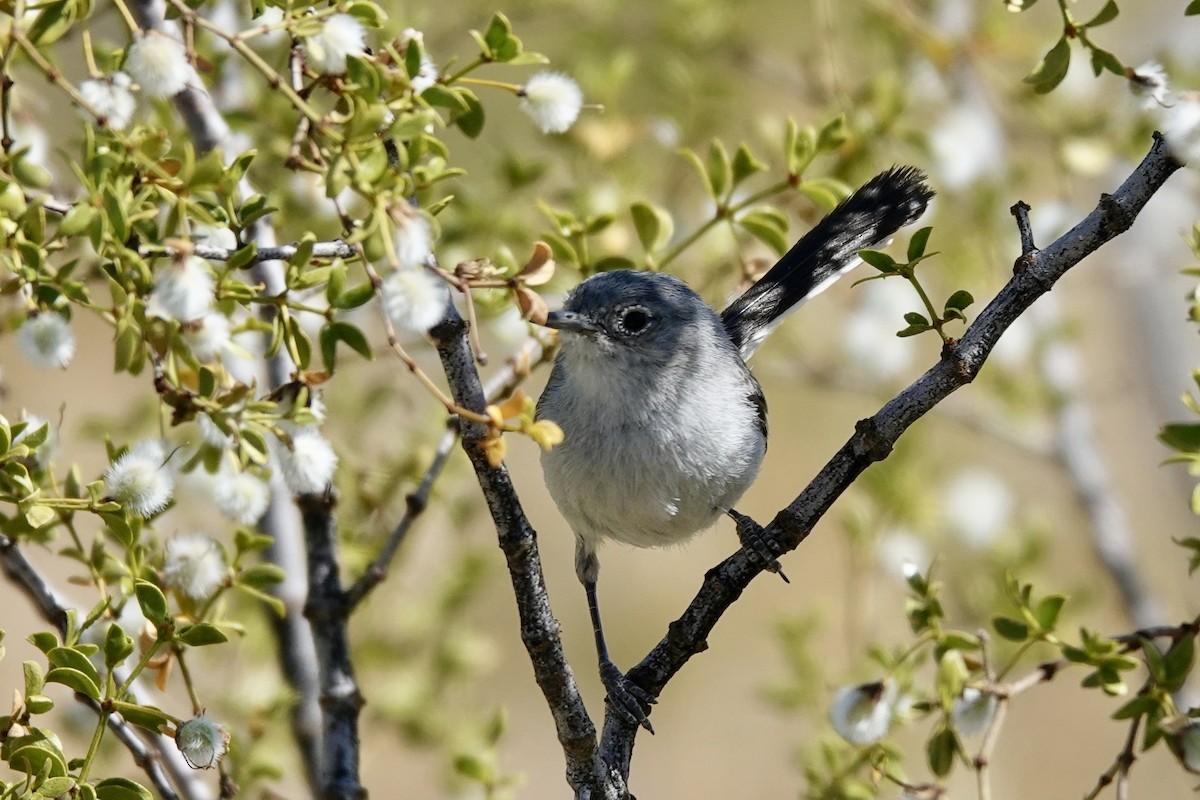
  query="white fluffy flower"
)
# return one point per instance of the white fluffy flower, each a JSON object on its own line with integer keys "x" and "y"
{"x": 184, "y": 290}
{"x": 1149, "y": 81}
{"x": 242, "y": 496}
{"x": 111, "y": 98}
{"x": 139, "y": 479}
{"x": 159, "y": 64}
{"x": 977, "y": 505}
{"x": 414, "y": 299}
{"x": 1181, "y": 127}
{"x": 202, "y": 741}
{"x": 413, "y": 237}
{"x": 215, "y": 235}
{"x": 45, "y": 338}
{"x": 973, "y": 711}
{"x": 861, "y": 714}
{"x": 427, "y": 75}
{"x": 341, "y": 36}
{"x": 552, "y": 100}
{"x": 309, "y": 463}
{"x": 208, "y": 337}
{"x": 194, "y": 565}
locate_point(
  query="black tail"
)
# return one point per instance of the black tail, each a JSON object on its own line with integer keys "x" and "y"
{"x": 884, "y": 204}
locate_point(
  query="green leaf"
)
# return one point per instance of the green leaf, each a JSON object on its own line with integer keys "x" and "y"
{"x": 1193, "y": 8}
{"x": 825, "y": 192}
{"x": 36, "y": 755}
{"x": 121, "y": 789}
{"x": 75, "y": 679}
{"x": 73, "y": 658}
{"x": 942, "y": 748}
{"x": 1047, "y": 611}
{"x": 914, "y": 318}
{"x": 77, "y": 220}
{"x": 745, "y": 164}
{"x": 274, "y": 602}
{"x": 117, "y": 646}
{"x": 242, "y": 257}
{"x": 261, "y": 576}
{"x": 471, "y": 121}
{"x": 879, "y": 260}
{"x": 152, "y": 601}
{"x": 55, "y": 787}
{"x": 654, "y": 225}
{"x": 834, "y": 134}
{"x": 1012, "y": 629}
{"x": 148, "y": 717}
{"x": 959, "y": 300}
{"x": 1103, "y": 60}
{"x": 369, "y": 14}
{"x": 765, "y": 225}
{"x": 1107, "y": 14}
{"x": 1182, "y": 436}
{"x": 916, "y": 245}
{"x": 1177, "y": 663}
{"x": 720, "y": 170}
{"x": 911, "y": 330}
{"x": 1142, "y": 704}
{"x": 200, "y": 635}
{"x": 1052, "y": 69}
{"x": 35, "y": 679}
{"x": 355, "y": 296}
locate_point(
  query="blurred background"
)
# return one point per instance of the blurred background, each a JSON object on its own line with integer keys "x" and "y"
{"x": 1048, "y": 466}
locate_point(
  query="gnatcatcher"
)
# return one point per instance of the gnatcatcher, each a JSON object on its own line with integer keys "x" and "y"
{"x": 664, "y": 425}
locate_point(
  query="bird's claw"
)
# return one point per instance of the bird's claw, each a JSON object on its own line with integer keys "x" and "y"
{"x": 630, "y": 701}
{"x": 750, "y": 534}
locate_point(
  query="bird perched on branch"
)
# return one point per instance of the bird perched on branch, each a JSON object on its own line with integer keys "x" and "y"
{"x": 665, "y": 427}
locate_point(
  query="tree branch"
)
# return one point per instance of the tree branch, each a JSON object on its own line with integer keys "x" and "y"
{"x": 586, "y": 773}
{"x": 1035, "y": 272}
{"x": 327, "y": 613}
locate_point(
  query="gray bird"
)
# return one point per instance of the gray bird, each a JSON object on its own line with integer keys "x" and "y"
{"x": 665, "y": 427}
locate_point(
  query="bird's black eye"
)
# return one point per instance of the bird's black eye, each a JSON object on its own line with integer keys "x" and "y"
{"x": 634, "y": 320}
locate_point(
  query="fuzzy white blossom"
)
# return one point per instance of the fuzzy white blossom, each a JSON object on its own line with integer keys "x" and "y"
{"x": 111, "y": 98}
{"x": 307, "y": 465}
{"x": 215, "y": 235}
{"x": 202, "y": 741}
{"x": 342, "y": 35}
{"x": 861, "y": 714}
{"x": 242, "y": 496}
{"x": 1149, "y": 81}
{"x": 46, "y": 340}
{"x": 194, "y": 565}
{"x": 973, "y": 711}
{"x": 414, "y": 299}
{"x": 427, "y": 75}
{"x": 977, "y": 505}
{"x": 413, "y": 236}
{"x": 552, "y": 100}
{"x": 184, "y": 290}
{"x": 208, "y": 337}
{"x": 1180, "y": 123}
{"x": 159, "y": 64}
{"x": 139, "y": 479}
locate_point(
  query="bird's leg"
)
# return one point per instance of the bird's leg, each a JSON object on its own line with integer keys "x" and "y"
{"x": 750, "y": 534}
{"x": 629, "y": 700}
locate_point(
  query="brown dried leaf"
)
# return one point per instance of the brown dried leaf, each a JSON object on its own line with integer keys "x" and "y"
{"x": 540, "y": 267}
{"x": 513, "y": 405}
{"x": 533, "y": 307}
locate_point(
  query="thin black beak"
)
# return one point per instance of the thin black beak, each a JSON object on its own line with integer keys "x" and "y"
{"x": 570, "y": 321}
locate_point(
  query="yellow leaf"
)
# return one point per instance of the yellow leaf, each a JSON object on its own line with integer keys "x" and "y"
{"x": 547, "y": 434}
{"x": 494, "y": 448}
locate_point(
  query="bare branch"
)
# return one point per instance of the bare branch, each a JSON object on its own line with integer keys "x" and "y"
{"x": 586, "y": 773}
{"x": 1035, "y": 272}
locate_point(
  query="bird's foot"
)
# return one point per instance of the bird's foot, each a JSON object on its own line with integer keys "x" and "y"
{"x": 750, "y": 534}
{"x": 630, "y": 701}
